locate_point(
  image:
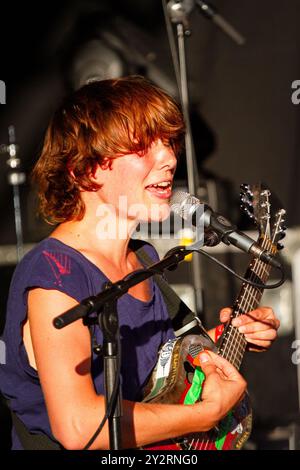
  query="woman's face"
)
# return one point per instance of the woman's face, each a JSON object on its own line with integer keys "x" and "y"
{"x": 139, "y": 187}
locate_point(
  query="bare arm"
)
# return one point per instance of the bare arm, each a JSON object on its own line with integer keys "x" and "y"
{"x": 63, "y": 360}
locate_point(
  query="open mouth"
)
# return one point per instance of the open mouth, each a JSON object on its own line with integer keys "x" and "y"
{"x": 163, "y": 190}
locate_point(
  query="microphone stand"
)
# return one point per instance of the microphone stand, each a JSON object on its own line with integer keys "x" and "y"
{"x": 109, "y": 324}
{"x": 16, "y": 177}
{"x": 179, "y": 15}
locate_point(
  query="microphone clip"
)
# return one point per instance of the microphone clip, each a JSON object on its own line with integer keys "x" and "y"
{"x": 221, "y": 227}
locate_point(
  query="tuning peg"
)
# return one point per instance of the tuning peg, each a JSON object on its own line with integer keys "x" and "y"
{"x": 280, "y": 246}
{"x": 245, "y": 208}
{"x": 248, "y": 213}
{"x": 246, "y": 198}
{"x": 245, "y": 187}
{"x": 283, "y": 227}
{"x": 246, "y": 191}
{"x": 246, "y": 201}
{"x": 242, "y": 207}
{"x": 281, "y": 235}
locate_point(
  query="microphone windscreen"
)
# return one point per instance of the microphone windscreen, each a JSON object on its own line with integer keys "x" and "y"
{"x": 184, "y": 204}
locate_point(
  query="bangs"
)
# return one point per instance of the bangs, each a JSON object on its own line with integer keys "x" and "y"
{"x": 137, "y": 119}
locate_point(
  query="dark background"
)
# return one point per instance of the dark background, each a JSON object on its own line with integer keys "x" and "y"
{"x": 245, "y": 125}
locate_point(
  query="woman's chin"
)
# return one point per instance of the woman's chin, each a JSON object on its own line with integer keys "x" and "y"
{"x": 154, "y": 213}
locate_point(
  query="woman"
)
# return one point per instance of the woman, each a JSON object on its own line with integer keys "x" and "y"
{"x": 108, "y": 160}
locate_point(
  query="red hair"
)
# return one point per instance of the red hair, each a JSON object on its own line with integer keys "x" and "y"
{"x": 101, "y": 120}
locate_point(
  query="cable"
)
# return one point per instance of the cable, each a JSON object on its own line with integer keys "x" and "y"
{"x": 112, "y": 401}
{"x": 252, "y": 283}
{"x": 188, "y": 251}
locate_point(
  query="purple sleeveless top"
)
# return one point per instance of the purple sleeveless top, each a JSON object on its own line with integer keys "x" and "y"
{"x": 144, "y": 326}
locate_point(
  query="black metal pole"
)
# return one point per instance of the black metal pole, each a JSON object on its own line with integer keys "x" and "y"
{"x": 16, "y": 177}
{"x": 109, "y": 324}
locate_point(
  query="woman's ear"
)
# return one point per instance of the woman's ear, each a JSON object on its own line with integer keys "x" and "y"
{"x": 97, "y": 175}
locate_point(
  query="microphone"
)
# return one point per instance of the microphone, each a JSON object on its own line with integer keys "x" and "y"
{"x": 193, "y": 210}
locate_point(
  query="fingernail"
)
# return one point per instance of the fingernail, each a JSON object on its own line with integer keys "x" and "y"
{"x": 236, "y": 322}
{"x": 203, "y": 357}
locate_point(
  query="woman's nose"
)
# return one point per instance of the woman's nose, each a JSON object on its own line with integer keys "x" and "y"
{"x": 165, "y": 156}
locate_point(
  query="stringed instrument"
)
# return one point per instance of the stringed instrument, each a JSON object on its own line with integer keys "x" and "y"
{"x": 175, "y": 379}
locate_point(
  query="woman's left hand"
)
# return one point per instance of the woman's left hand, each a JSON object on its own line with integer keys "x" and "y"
{"x": 259, "y": 326}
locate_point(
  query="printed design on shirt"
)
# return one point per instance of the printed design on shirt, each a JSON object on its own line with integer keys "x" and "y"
{"x": 60, "y": 265}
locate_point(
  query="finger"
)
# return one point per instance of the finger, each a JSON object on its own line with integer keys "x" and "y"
{"x": 206, "y": 363}
{"x": 229, "y": 371}
{"x": 221, "y": 374}
{"x": 267, "y": 335}
{"x": 242, "y": 320}
{"x": 263, "y": 314}
{"x": 249, "y": 318}
{"x": 256, "y": 348}
{"x": 261, "y": 343}
{"x": 255, "y": 327}
{"x": 225, "y": 314}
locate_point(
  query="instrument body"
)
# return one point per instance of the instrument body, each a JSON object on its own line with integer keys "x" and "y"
{"x": 176, "y": 380}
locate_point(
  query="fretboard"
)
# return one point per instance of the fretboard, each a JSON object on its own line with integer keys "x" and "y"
{"x": 233, "y": 343}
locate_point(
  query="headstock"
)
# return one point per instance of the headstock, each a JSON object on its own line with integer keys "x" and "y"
{"x": 279, "y": 228}
{"x": 256, "y": 203}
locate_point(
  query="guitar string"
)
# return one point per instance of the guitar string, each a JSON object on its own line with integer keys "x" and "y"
{"x": 233, "y": 333}
{"x": 236, "y": 336}
{"x": 244, "y": 305}
{"x": 265, "y": 273}
{"x": 241, "y": 342}
{"x": 254, "y": 271}
{"x": 204, "y": 445}
{"x": 236, "y": 341}
{"x": 249, "y": 295}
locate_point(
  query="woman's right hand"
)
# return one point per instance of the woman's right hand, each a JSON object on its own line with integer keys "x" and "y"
{"x": 223, "y": 388}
